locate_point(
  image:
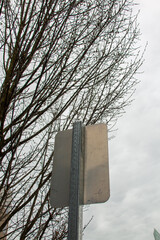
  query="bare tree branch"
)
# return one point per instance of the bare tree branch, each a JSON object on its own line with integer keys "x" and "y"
{"x": 60, "y": 61}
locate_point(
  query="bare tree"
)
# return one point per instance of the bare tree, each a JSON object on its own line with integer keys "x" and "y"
{"x": 60, "y": 61}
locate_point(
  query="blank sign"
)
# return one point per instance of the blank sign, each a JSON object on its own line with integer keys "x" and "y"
{"x": 96, "y": 170}
{"x": 95, "y": 161}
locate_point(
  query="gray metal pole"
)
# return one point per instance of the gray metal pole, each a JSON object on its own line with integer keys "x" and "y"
{"x": 76, "y": 185}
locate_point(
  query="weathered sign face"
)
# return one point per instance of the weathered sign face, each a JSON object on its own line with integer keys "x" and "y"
{"x": 60, "y": 180}
{"x": 95, "y": 161}
{"x": 96, "y": 170}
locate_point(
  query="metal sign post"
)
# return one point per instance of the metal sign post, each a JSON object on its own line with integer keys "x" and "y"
{"x": 80, "y": 173}
{"x": 76, "y": 185}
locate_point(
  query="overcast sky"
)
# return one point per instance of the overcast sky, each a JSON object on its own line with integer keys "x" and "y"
{"x": 133, "y": 210}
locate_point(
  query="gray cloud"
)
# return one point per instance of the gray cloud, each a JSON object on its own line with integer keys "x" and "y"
{"x": 133, "y": 210}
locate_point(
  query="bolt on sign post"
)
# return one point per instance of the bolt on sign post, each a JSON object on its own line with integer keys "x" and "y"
{"x": 80, "y": 172}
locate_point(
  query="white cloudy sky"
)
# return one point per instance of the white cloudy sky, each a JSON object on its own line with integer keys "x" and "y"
{"x": 133, "y": 210}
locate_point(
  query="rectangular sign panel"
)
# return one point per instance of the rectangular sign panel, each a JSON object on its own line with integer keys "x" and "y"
{"x": 96, "y": 169}
{"x": 60, "y": 180}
